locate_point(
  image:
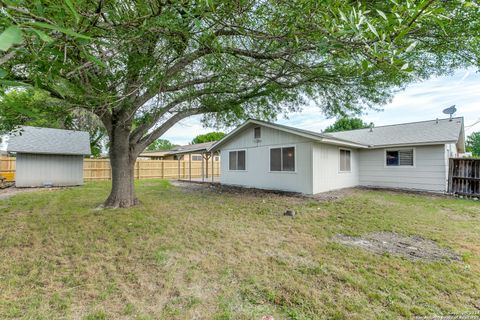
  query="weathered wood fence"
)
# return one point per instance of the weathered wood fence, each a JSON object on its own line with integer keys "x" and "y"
{"x": 99, "y": 169}
{"x": 464, "y": 177}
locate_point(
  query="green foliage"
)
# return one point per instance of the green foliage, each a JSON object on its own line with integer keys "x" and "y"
{"x": 473, "y": 144}
{"x": 160, "y": 144}
{"x": 344, "y": 124}
{"x": 37, "y": 108}
{"x": 208, "y": 137}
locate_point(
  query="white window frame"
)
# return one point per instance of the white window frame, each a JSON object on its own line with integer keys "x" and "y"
{"x": 340, "y": 160}
{"x": 228, "y": 162}
{"x": 196, "y": 155}
{"x": 281, "y": 159}
{"x": 398, "y": 149}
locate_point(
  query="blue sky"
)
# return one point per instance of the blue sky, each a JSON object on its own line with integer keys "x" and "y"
{"x": 419, "y": 101}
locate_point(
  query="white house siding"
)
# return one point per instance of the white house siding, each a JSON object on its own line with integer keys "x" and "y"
{"x": 34, "y": 170}
{"x": 428, "y": 173}
{"x": 326, "y": 168}
{"x": 257, "y": 173}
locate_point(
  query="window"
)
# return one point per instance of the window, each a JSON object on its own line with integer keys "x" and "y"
{"x": 217, "y": 158}
{"x": 196, "y": 158}
{"x": 257, "y": 133}
{"x": 345, "y": 160}
{"x": 282, "y": 159}
{"x": 236, "y": 160}
{"x": 397, "y": 158}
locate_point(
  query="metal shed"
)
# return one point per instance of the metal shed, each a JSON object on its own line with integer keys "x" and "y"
{"x": 48, "y": 157}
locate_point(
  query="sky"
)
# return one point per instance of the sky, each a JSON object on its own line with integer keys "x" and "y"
{"x": 420, "y": 101}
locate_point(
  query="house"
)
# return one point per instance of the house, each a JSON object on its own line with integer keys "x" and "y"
{"x": 194, "y": 150}
{"x": 48, "y": 157}
{"x": 406, "y": 156}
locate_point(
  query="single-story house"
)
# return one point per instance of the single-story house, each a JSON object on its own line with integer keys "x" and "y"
{"x": 48, "y": 157}
{"x": 195, "y": 151}
{"x": 413, "y": 155}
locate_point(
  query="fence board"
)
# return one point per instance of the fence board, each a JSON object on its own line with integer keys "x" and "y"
{"x": 464, "y": 177}
{"x": 99, "y": 169}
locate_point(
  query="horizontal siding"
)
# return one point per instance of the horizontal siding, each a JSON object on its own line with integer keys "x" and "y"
{"x": 429, "y": 172}
{"x": 257, "y": 173}
{"x": 36, "y": 170}
{"x": 326, "y": 168}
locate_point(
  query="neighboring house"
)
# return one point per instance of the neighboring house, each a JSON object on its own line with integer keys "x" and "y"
{"x": 406, "y": 156}
{"x": 48, "y": 157}
{"x": 181, "y": 152}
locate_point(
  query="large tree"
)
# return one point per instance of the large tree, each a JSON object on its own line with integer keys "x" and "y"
{"x": 142, "y": 66}
{"x": 208, "y": 137}
{"x": 346, "y": 123}
{"x": 473, "y": 144}
{"x": 160, "y": 144}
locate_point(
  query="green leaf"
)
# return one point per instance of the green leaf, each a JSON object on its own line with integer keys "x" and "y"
{"x": 411, "y": 46}
{"x": 372, "y": 28}
{"x": 10, "y": 83}
{"x": 12, "y": 35}
{"x": 96, "y": 60}
{"x": 72, "y": 9}
{"x": 3, "y": 73}
{"x": 42, "y": 35}
{"x": 382, "y": 14}
{"x": 66, "y": 31}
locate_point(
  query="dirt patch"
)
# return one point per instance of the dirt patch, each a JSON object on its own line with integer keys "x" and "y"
{"x": 221, "y": 188}
{"x": 11, "y": 191}
{"x": 411, "y": 247}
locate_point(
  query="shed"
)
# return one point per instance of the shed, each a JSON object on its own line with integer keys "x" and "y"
{"x": 48, "y": 157}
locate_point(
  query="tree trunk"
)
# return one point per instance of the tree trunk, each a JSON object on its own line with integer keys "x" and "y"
{"x": 122, "y": 161}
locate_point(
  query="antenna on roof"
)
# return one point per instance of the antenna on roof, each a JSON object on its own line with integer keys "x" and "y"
{"x": 450, "y": 110}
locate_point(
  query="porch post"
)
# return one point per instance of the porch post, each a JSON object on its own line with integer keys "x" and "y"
{"x": 213, "y": 171}
{"x": 203, "y": 173}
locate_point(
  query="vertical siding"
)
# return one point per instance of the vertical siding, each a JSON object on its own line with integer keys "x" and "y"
{"x": 35, "y": 170}
{"x": 326, "y": 168}
{"x": 257, "y": 173}
{"x": 429, "y": 172}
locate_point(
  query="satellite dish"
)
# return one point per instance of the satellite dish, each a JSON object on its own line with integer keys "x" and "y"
{"x": 450, "y": 110}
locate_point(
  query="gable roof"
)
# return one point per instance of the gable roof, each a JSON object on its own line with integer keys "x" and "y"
{"x": 316, "y": 136}
{"x": 414, "y": 133}
{"x": 49, "y": 141}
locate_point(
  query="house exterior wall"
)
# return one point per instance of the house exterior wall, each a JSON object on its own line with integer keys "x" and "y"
{"x": 429, "y": 172}
{"x": 326, "y": 168}
{"x": 257, "y": 173}
{"x": 36, "y": 170}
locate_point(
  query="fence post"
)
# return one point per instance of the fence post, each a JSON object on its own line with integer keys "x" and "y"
{"x": 163, "y": 170}
{"x": 450, "y": 175}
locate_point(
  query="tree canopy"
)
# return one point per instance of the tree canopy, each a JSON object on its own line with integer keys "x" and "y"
{"x": 208, "y": 137}
{"x": 142, "y": 66}
{"x": 160, "y": 144}
{"x": 473, "y": 144}
{"x": 37, "y": 108}
{"x": 343, "y": 124}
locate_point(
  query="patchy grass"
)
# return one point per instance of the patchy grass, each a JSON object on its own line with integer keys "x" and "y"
{"x": 186, "y": 254}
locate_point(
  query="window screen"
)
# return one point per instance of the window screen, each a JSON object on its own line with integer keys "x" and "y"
{"x": 196, "y": 158}
{"x": 399, "y": 157}
{"x": 236, "y": 160}
{"x": 345, "y": 162}
{"x": 257, "y": 133}
{"x": 282, "y": 159}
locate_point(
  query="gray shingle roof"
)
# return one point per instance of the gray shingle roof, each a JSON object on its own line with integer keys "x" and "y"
{"x": 49, "y": 141}
{"x": 192, "y": 147}
{"x": 424, "y": 132}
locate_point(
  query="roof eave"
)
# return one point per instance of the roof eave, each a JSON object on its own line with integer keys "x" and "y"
{"x": 424, "y": 143}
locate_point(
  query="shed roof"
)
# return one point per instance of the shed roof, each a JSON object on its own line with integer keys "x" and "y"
{"x": 49, "y": 141}
{"x": 423, "y": 132}
{"x": 189, "y": 148}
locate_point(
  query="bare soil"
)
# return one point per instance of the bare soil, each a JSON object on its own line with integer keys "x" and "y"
{"x": 221, "y": 188}
{"x": 411, "y": 247}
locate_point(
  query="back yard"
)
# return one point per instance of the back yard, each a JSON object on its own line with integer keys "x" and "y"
{"x": 204, "y": 254}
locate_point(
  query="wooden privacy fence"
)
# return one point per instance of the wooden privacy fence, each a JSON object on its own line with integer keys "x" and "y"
{"x": 464, "y": 177}
{"x": 99, "y": 169}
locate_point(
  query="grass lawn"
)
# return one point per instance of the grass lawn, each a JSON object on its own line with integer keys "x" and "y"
{"x": 185, "y": 254}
